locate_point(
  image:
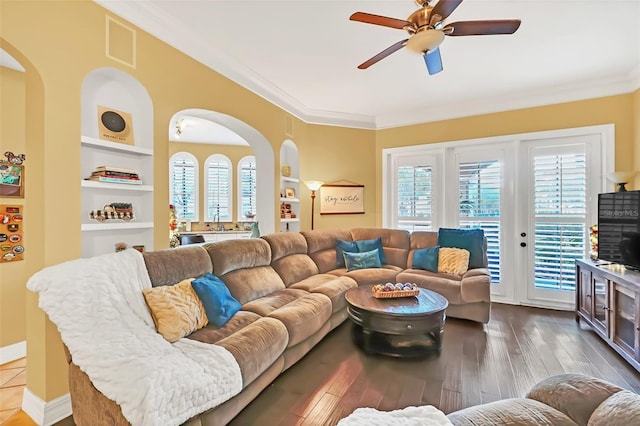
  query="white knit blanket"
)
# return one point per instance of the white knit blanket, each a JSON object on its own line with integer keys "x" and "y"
{"x": 98, "y": 306}
{"x": 425, "y": 415}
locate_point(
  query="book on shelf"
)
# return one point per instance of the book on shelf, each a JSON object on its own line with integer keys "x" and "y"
{"x": 108, "y": 179}
{"x": 122, "y": 175}
{"x": 115, "y": 169}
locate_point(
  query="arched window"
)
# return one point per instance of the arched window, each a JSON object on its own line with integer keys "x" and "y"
{"x": 247, "y": 184}
{"x": 183, "y": 185}
{"x": 218, "y": 189}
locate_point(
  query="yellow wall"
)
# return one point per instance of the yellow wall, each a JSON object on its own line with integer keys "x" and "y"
{"x": 60, "y": 42}
{"x": 618, "y": 110}
{"x": 202, "y": 151}
{"x": 14, "y": 274}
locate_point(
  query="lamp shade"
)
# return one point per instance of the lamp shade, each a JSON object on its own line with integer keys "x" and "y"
{"x": 313, "y": 185}
{"x": 621, "y": 177}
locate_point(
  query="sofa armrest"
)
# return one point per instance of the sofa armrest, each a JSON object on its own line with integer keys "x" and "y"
{"x": 576, "y": 395}
{"x": 476, "y": 272}
{"x": 475, "y": 286}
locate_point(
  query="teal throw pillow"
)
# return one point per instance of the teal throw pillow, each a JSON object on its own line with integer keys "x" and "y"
{"x": 471, "y": 240}
{"x": 367, "y": 259}
{"x": 426, "y": 258}
{"x": 341, "y": 247}
{"x": 218, "y": 302}
{"x": 368, "y": 245}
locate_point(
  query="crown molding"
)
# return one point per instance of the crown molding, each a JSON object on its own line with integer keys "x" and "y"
{"x": 155, "y": 22}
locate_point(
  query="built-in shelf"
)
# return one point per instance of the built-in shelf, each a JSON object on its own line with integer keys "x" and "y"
{"x": 109, "y": 226}
{"x": 289, "y": 200}
{"x": 290, "y": 220}
{"x": 289, "y": 179}
{"x": 116, "y": 186}
{"x": 114, "y": 146}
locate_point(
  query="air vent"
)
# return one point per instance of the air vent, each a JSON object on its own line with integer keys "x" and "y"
{"x": 120, "y": 42}
{"x": 288, "y": 127}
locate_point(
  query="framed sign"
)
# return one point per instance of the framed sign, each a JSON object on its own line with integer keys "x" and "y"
{"x": 341, "y": 199}
{"x": 11, "y": 180}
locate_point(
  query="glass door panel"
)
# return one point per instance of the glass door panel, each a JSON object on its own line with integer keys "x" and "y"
{"x": 625, "y": 319}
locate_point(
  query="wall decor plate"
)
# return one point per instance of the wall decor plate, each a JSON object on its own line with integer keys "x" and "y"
{"x": 12, "y": 248}
{"x": 114, "y": 125}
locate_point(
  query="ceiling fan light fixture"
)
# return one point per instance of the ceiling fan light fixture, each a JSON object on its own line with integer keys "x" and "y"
{"x": 424, "y": 41}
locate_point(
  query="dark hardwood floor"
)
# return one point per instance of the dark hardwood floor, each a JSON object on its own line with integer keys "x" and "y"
{"x": 479, "y": 363}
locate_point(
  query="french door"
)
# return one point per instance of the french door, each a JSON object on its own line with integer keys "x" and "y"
{"x": 534, "y": 196}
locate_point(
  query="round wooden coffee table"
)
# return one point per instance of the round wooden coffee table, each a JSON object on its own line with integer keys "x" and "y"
{"x": 403, "y": 327}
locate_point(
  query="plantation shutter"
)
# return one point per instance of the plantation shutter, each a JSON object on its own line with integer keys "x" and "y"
{"x": 183, "y": 186}
{"x": 218, "y": 184}
{"x": 414, "y": 197}
{"x": 560, "y": 204}
{"x": 248, "y": 188}
{"x": 480, "y": 184}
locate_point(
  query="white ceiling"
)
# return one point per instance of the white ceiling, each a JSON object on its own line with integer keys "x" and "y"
{"x": 302, "y": 55}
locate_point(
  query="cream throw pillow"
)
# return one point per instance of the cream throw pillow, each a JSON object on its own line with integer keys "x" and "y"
{"x": 176, "y": 309}
{"x": 453, "y": 260}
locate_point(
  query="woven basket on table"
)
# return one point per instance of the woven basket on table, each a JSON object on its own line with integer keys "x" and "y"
{"x": 394, "y": 293}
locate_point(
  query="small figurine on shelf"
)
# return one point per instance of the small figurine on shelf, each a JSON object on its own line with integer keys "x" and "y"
{"x": 174, "y": 241}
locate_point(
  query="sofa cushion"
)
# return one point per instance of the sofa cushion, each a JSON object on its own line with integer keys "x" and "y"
{"x": 343, "y": 247}
{"x": 447, "y": 285}
{"x": 453, "y": 260}
{"x": 218, "y": 303}
{"x": 322, "y": 246}
{"x": 362, "y": 260}
{"x": 304, "y": 316}
{"x": 255, "y": 342}
{"x": 576, "y": 395}
{"x": 426, "y": 258}
{"x": 167, "y": 267}
{"x": 395, "y": 243}
{"x": 231, "y": 255}
{"x": 374, "y": 275}
{"x": 622, "y": 408}
{"x": 471, "y": 240}
{"x": 331, "y": 286}
{"x": 289, "y": 257}
{"x": 514, "y": 411}
{"x": 266, "y": 304}
{"x": 176, "y": 310}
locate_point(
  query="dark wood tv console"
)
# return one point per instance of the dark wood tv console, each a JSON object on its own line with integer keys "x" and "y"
{"x": 608, "y": 300}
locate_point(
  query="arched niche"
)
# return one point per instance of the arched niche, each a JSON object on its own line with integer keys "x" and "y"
{"x": 116, "y": 89}
{"x": 264, "y": 158}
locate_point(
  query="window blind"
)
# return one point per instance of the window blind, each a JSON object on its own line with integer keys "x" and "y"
{"x": 184, "y": 188}
{"x": 414, "y": 198}
{"x": 218, "y": 183}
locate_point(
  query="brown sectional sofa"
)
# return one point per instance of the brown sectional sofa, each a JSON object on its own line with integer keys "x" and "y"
{"x": 291, "y": 294}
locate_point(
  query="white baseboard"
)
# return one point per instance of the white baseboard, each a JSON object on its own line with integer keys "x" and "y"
{"x": 13, "y": 352}
{"x": 46, "y": 413}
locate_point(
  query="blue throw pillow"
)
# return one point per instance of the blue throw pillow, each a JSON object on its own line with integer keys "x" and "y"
{"x": 341, "y": 247}
{"x": 468, "y": 239}
{"x": 368, "y": 245}
{"x": 426, "y": 258}
{"x": 218, "y": 302}
{"x": 367, "y": 259}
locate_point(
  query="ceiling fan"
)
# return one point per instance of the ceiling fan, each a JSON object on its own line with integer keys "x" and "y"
{"x": 427, "y": 29}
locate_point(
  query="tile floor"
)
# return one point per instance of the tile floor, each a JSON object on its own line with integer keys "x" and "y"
{"x": 13, "y": 379}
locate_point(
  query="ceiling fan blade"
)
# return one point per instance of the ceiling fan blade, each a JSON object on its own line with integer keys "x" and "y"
{"x": 385, "y": 21}
{"x": 444, "y": 8}
{"x": 380, "y": 56}
{"x": 467, "y": 28}
{"x": 433, "y": 61}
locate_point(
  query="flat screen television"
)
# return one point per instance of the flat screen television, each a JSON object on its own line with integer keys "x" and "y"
{"x": 619, "y": 228}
